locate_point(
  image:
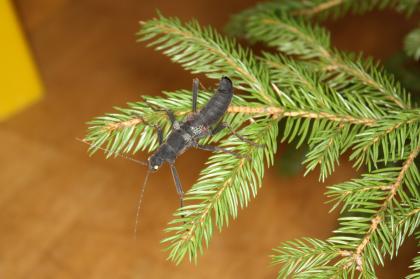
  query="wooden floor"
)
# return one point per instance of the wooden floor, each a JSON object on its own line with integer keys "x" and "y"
{"x": 64, "y": 215}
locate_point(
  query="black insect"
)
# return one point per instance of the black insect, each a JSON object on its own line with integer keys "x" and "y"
{"x": 186, "y": 134}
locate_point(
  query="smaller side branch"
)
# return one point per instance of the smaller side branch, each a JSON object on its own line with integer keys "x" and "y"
{"x": 124, "y": 124}
{"x": 366, "y": 78}
{"x": 274, "y": 111}
{"x": 281, "y": 112}
{"x": 411, "y": 213}
{"x": 366, "y": 189}
{"x": 377, "y": 219}
{"x": 334, "y": 61}
{"x": 305, "y": 37}
{"x": 237, "y": 63}
{"x": 319, "y": 8}
{"x": 203, "y": 215}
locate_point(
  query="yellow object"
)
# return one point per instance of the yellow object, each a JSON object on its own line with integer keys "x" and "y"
{"x": 19, "y": 82}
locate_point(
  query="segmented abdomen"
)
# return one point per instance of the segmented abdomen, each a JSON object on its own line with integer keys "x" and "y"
{"x": 215, "y": 109}
{"x": 217, "y": 105}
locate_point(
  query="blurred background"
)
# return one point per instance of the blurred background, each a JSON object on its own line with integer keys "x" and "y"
{"x": 65, "y": 215}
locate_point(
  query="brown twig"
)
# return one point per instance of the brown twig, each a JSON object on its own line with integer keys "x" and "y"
{"x": 123, "y": 124}
{"x": 377, "y": 219}
{"x": 281, "y": 112}
{"x": 317, "y": 9}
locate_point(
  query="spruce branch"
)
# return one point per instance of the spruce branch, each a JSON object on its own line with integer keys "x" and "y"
{"x": 294, "y": 36}
{"x": 321, "y": 9}
{"x": 377, "y": 205}
{"x": 278, "y": 112}
{"x": 328, "y": 140}
{"x": 203, "y": 50}
{"x": 393, "y": 211}
{"x": 305, "y": 258}
{"x": 333, "y": 101}
{"x": 387, "y": 139}
{"x": 387, "y": 203}
{"x": 318, "y": 7}
{"x": 336, "y": 8}
{"x": 130, "y": 129}
{"x": 326, "y": 153}
{"x": 226, "y": 184}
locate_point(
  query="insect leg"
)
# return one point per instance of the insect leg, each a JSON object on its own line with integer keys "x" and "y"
{"x": 196, "y": 83}
{"x": 223, "y": 125}
{"x": 160, "y": 134}
{"x": 169, "y": 112}
{"x": 215, "y": 148}
{"x": 178, "y": 185}
{"x": 170, "y": 115}
{"x": 158, "y": 129}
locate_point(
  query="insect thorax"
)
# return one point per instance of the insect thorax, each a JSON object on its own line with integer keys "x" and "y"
{"x": 198, "y": 130}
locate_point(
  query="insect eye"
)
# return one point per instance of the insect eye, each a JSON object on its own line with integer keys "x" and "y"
{"x": 156, "y": 167}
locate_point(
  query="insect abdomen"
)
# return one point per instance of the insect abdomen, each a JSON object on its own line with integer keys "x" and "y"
{"x": 218, "y": 104}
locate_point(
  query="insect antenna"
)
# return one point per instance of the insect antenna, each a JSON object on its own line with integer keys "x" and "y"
{"x": 143, "y": 188}
{"x": 117, "y": 154}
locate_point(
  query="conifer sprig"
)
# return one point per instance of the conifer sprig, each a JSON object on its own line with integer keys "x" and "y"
{"x": 382, "y": 236}
{"x": 130, "y": 130}
{"x": 337, "y": 8}
{"x": 388, "y": 139}
{"x": 226, "y": 185}
{"x": 306, "y": 258}
{"x": 379, "y": 210}
{"x": 321, "y": 9}
{"x": 327, "y": 99}
{"x": 203, "y": 50}
{"x": 294, "y": 36}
